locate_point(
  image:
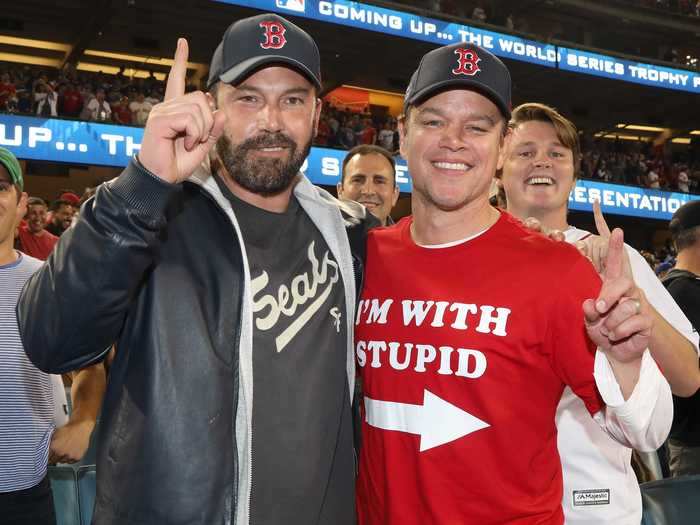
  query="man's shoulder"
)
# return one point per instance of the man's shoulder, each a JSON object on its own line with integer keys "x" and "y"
{"x": 543, "y": 248}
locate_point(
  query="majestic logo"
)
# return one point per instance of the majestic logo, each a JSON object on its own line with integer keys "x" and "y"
{"x": 467, "y": 62}
{"x": 274, "y": 35}
{"x": 292, "y": 5}
{"x": 584, "y": 498}
{"x": 313, "y": 286}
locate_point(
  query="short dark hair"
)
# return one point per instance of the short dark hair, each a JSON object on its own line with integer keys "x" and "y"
{"x": 56, "y": 205}
{"x": 684, "y": 238}
{"x": 36, "y": 201}
{"x": 369, "y": 149}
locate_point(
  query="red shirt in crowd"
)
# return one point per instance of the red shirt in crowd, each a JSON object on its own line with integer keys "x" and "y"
{"x": 464, "y": 352}
{"x": 121, "y": 114}
{"x": 72, "y": 102}
{"x": 367, "y": 135}
{"x": 6, "y": 91}
{"x": 38, "y": 246}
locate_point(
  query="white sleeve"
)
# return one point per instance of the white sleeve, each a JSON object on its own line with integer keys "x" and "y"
{"x": 644, "y": 420}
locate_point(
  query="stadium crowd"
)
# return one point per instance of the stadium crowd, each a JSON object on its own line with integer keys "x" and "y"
{"x": 123, "y": 100}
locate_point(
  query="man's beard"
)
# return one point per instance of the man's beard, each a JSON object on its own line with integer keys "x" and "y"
{"x": 262, "y": 176}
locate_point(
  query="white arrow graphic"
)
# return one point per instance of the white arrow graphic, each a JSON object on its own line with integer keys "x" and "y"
{"x": 436, "y": 421}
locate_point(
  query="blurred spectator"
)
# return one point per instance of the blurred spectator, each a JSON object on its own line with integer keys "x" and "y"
{"x": 683, "y": 181}
{"x": 46, "y": 99}
{"x": 34, "y": 240}
{"x": 324, "y": 131}
{"x": 121, "y": 114}
{"x": 346, "y": 135}
{"x": 653, "y": 179}
{"x": 479, "y": 13}
{"x": 98, "y": 107}
{"x": 61, "y": 216}
{"x": 140, "y": 108}
{"x": 386, "y": 136}
{"x": 367, "y": 134}
{"x": 71, "y": 101}
{"x": 7, "y": 91}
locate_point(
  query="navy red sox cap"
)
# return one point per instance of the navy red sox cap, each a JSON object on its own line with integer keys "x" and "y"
{"x": 461, "y": 65}
{"x": 251, "y": 43}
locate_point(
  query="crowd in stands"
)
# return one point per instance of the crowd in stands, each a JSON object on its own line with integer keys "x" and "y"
{"x": 122, "y": 100}
{"x": 75, "y": 94}
{"x": 640, "y": 164}
{"x": 682, "y": 7}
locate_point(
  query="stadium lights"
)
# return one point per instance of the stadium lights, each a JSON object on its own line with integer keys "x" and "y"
{"x": 113, "y": 70}
{"x": 30, "y": 59}
{"x": 695, "y": 132}
{"x": 36, "y": 44}
{"x": 393, "y": 94}
{"x": 681, "y": 140}
{"x": 145, "y": 61}
{"x": 614, "y": 136}
{"x": 637, "y": 127}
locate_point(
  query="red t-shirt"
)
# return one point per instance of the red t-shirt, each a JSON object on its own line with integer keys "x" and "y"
{"x": 462, "y": 373}
{"x": 72, "y": 102}
{"x": 367, "y": 135}
{"x": 38, "y": 246}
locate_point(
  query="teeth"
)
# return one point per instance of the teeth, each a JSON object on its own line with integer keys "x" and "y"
{"x": 540, "y": 180}
{"x": 451, "y": 166}
{"x": 271, "y": 149}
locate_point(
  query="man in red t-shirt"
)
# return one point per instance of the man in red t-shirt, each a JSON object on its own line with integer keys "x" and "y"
{"x": 7, "y": 90}
{"x": 459, "y": 328}
{"x": 33, "y": 237}
{"x": 71, "y": 101}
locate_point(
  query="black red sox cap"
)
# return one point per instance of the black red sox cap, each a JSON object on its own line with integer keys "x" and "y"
{"x": 685, "y": 218}
{"x": 461, "y": 65}
{"x": 259, "y": 40}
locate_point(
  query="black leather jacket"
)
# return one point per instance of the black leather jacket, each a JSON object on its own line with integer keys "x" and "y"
{"x": 157, "y": 270}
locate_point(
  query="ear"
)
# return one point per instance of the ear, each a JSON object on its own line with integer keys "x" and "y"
{"x": 211, "y": 100}
{"x": 403, "y": 130}
{"x": 21, "y": 208}
{"x": 503, "y": 148}
{"x": 317, "y": 115}
{"x": 395, "y": 196}
{"x": 339, "y": 188}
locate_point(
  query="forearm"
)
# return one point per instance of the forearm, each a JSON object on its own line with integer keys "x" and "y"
{"x": 676, "y": 356}
{"x": 626, "y": 374}
{"x": 87, "y": 392}
{"x": 643, "y": 421}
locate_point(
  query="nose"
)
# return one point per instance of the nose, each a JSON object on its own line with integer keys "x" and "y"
{"x": 452, "y": 138}
{"x": 270, "y": 119}
{"x": 542, "y": 161}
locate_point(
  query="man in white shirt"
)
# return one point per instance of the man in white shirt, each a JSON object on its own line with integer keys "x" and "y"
{"x": 599, "y": 485}
{"x": 140, "y": 108}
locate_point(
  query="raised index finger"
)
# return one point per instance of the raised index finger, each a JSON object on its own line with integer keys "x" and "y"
{"x": 176, "y": 78}
{"x": 600, "y": 223}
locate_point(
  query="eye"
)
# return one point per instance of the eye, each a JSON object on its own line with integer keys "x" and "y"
{"x": 431, "y": 123}
{"x": 557, "y": 154}
{"x": 295, "y": 101}
{"x": 477, "y": 129}
{"x": 5, "y": 187}
{"x": 250, "y": 99}
{"x": 525, "y": 154}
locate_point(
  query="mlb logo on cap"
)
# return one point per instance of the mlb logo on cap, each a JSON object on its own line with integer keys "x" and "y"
{"x": 292, "y": 5}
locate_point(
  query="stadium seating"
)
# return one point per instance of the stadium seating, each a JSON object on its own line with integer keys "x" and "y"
{"x": 671, "y": 501}
{"x": 65, "y": 495}
{"x": 73, "y": 493}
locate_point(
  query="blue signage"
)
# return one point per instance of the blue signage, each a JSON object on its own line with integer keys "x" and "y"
{"x": 91, "y": 143}
{"x": 442, "y": 32}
